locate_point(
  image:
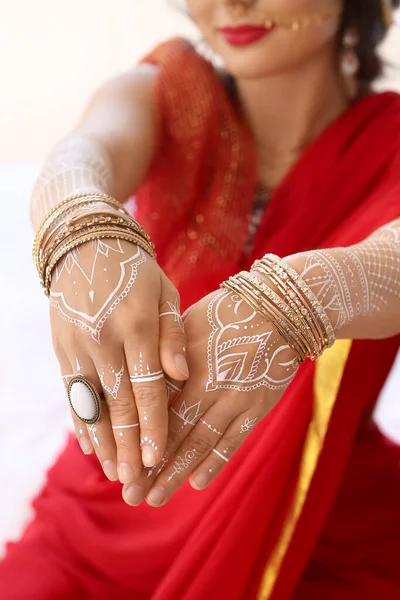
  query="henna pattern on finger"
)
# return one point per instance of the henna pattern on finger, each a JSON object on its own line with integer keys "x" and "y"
{"x": 182, "y": 463}
{"x": 149, "y": 442}
{"x": 112, "y": 391}
{"x": 175, "y": 312}
{"x": 93, "y": 431}
{"x": 248, "y": 425}
{"x": 90, "y": 276}
{"x": 244, "y": 353}
{"x": 143, "y": 374}
{"x": 211, "y": 428}
{"x": 190, "y": 415}
{"x": 220, "y": 455}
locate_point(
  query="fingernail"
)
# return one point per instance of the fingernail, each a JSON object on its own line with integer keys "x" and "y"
{"x": 125, "y": 473}
{"x": 181, "y": 364}
{"x": 86, "y": 446}
{"x": 200, "y": 481}
{"x": 156, "y": 496}
{"x": 148, "y": 456}
{"x": 133, "y": 495}
{"x": 110, "y": 470}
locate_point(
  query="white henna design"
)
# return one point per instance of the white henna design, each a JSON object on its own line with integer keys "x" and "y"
{"x": 93, "y": 431}
{"x": 182, "y": 463}
{"x": 75, "y": 165}
{"x": 126, "y": 426}
{"x": 358, "y": 280}
{"x": 220, "y": 455}
{"x": 128, "y": 270}
{"x": 241, "y": 361}
{"x": 149, "y": 442}
{"x": 117, "y": 384}
{"x": 143, "y": 374}
{"x": 189, "y": 414}
{"x": 210, "y": 427}
{"x": 248, "y": 425}
{"x": 174, "y": 312}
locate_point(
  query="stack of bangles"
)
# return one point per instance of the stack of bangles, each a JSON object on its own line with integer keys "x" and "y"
{"x": 78, "y": 219}
{"x": 276, "y": 291}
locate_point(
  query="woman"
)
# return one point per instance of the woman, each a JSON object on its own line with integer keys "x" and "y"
{"x": 286, "y": 151}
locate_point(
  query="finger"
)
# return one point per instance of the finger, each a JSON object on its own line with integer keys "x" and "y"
{"x": 182, "y": 418}
{"x": 223, "y": 451}
{"x": 194, "y": 449}
{"x": 172, "y": 334}
{"x": 124, "y": 420}
{"x": 100, "y": 433}
{"x": 174, "y": 388}
{"x": 150, "y": 392}
{"x": 80, "y": 428}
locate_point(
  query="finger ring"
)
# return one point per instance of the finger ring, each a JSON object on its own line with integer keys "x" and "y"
{"x": 84, "y": 400}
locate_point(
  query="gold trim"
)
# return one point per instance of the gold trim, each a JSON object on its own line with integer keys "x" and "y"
{"x": 328, "y": 376}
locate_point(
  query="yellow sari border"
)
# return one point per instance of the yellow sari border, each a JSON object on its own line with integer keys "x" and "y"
{"x": 328, "y": 376}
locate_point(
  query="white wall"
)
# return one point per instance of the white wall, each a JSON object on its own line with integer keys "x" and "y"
{"x": 54, "y": 52}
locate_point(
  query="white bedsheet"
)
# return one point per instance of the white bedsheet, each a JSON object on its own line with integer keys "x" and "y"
{"x": 34, "y": 417}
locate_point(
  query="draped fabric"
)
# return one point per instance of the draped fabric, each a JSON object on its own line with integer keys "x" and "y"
{"x": 272, "y": 523}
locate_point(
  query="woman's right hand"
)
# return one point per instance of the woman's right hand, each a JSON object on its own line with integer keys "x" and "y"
{"x": 115, "y": 319}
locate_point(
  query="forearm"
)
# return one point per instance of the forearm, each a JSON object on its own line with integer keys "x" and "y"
{"x": 76, "y": 164}
{"x": 358, "y": 286}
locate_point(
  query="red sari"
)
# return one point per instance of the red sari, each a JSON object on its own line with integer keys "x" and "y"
{"x": 309, "y": 506}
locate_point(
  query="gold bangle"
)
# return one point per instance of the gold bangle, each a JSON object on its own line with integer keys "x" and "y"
{"x": 328, "y": 332}
{"x": 63, "y": 206}
{"x": 304, "y": 316}
{"x": 86, "y": 237}
{"x": 71, "y": 228}
{"x": 268, "y": 312}
{"x": 294, "y": 320}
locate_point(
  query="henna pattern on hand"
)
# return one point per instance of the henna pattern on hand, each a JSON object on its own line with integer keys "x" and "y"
{"x": 72, "y": 306}
{"x": 244, "y": 353}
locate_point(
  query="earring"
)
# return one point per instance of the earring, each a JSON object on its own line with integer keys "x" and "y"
{"x": 350, "y": 62}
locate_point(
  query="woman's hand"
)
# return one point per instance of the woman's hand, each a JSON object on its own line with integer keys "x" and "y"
{"x": 115, "y": 320}
{"x": 239, "y": 369}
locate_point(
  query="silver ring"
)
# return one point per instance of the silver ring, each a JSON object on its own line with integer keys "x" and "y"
{"x": 84, "y": 400}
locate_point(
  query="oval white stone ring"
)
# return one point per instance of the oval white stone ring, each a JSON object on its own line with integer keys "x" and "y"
{"x": 84, "y": 400}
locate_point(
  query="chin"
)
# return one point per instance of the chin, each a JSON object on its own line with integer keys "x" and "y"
{"x": 256, "y": 68}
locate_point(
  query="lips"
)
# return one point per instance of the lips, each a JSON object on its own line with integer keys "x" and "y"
{"x": 243, "y": 35}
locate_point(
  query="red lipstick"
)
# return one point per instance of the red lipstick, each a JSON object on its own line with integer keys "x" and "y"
{"x": 243, "y": 35}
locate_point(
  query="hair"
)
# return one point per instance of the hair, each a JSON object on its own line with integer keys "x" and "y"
{"x": 367, "y": 18}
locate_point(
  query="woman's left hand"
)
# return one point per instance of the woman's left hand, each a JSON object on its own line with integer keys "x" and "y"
{"x": 239, "y": 368}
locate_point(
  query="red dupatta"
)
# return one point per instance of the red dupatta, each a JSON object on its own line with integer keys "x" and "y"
{"x": 270, "y": 503}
